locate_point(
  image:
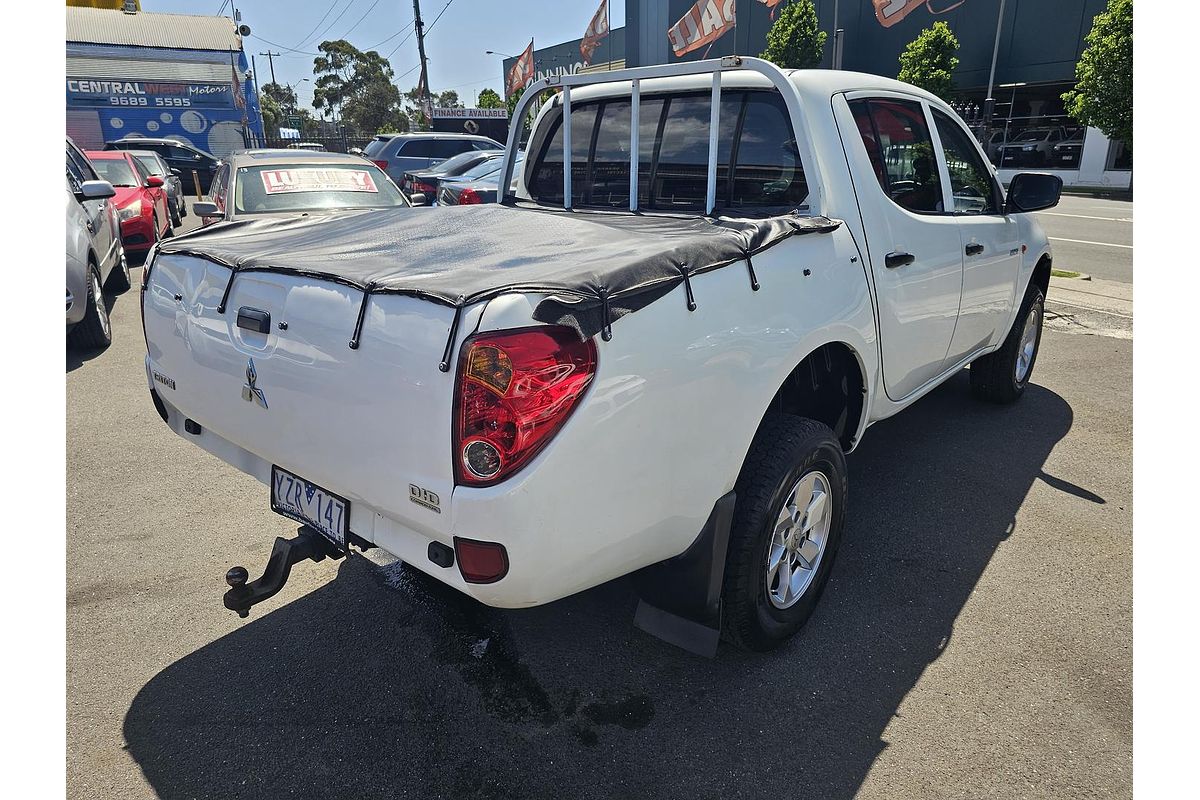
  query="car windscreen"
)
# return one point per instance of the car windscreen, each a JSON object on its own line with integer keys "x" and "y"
{"x": 306, "y": 187}
{"x": 115, "y": 171}
{"x": 1032, "y": 136}
{"x": 152, "y": 165}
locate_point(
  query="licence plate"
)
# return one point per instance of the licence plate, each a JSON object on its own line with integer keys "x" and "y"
{"x": 1066, "y": 158}
{"x": 306, "y": 502}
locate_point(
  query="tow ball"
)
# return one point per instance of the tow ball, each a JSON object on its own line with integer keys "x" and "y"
{"x": 308, "y": 544}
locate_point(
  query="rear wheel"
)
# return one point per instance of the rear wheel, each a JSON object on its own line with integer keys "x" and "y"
{"x": 1001, "y": 376}
{"x": 176, "y": 220}
{"x": 94, "y": 331}
{"x": 791, "y": 500}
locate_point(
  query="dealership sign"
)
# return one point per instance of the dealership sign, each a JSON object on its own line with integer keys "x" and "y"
{"x": 469, "y": 113}
{"x": 147, "y": 94}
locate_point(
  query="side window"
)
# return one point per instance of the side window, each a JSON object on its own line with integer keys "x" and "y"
{"x": 767, "y": 169}
{"x": 416, "y": 148}
{"x": 903, "y": 144}
{"x": 866, "y": 132}
{"x": 970, "y": 180}
{"x": 449, "y": 148}
{"x": 485, "y": 146}
{"x": 74, "y": 175}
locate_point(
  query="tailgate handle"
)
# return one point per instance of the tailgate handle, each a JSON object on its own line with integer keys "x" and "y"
{"x": 254, "y": 319}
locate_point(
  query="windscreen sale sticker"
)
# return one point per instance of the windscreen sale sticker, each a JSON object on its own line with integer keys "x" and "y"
{"x": 281, "y": 181}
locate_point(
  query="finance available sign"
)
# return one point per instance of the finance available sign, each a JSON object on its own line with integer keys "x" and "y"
{"x": 110, "y": 92}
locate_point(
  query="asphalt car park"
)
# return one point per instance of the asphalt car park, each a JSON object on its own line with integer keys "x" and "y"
{"x": 974, "y": 640}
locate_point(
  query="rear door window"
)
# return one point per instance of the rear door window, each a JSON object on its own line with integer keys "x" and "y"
{"x": 448, "y": 148}
{"x": 416, "y": 148}
{"x": 909, "y": 173}
{"x": 767, "y": 170}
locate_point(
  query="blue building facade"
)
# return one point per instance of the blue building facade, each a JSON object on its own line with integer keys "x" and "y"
{"x": 203, "y": 96}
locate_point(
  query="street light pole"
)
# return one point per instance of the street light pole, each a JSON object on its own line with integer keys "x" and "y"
{"x": 989, "y": 103}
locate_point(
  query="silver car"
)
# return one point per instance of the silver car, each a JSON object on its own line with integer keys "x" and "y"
{"x": 398, "y": 153}
{"x": 95, "y": 257}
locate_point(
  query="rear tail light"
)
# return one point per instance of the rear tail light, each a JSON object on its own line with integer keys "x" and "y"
{"x": 480, "y": 562}
{"x": 468, "y": 197}
{"x": 515, "y": 390}
{"x": 425, "y": 188}
{"x": 380, "y": 164}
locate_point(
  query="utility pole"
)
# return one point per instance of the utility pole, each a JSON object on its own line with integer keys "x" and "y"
{"x": 420, "y": 29}
{"x": 989, "y": 103}
{"x": 271, "y": 59}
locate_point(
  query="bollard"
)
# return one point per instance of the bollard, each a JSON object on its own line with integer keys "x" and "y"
{"x": 196, "y": 183}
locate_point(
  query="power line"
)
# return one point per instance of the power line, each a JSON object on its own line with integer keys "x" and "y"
{"x": 360, "y": 19}
{"x": 439, "y": 16}
{"x": 335, "y": 20}
{"x": 402, "y": 41}
{"x": 284, "y": 46}
{"x": 388, "y": 39}
{"x": 300, "y": 43}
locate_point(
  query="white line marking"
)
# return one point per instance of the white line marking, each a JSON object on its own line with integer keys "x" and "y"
{"x": 1084, "y": 241}
{"x": 1086, "y": 216}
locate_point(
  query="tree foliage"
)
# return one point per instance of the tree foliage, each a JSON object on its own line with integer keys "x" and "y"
{"x": 929, "y": 60}
{"x": 489, "y": 98}
{"x": 358, "y": 85}
{"x": 795, "y": 40}
{"x": 1103, "y": 94}
{"x": 278, "y": 104}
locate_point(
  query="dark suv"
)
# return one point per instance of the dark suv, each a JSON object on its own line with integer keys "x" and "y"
{"x": 399, "y": 153}
{"x": 178, "y": 155}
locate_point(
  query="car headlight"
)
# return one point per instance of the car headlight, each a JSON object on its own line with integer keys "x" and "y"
{"x": 130, "y": 211}
{"x": 1029, "y": 147}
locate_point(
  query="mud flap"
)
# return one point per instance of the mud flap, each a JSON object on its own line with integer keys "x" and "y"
{"x": 680, "y": 598}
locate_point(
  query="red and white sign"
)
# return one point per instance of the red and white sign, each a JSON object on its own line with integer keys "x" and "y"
{"x": 703, "y": 24}
{"x": 521, "y": 73}
{"x": 889, "y": 12}
{"x": 281, "y": 181}
{"x": 597, "y": 30}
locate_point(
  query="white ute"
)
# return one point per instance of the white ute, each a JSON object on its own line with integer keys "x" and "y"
{"x": 652, "y": 363}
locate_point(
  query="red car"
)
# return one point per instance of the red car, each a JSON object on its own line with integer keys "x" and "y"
{"x": 141, "y": 199}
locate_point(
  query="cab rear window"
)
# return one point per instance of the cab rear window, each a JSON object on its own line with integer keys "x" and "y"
{"x": 755, "y": 137}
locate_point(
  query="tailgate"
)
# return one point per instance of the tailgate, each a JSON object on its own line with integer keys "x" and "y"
{"x": 364, "y": 423}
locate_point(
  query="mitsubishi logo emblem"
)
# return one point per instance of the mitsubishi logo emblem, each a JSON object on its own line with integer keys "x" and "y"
{"x": 251, "y": 392}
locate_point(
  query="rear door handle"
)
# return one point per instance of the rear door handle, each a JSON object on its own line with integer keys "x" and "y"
{"x": 893, "y": 260}
{"x": 974, "y": 249}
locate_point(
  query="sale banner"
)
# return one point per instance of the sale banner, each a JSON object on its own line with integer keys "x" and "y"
{"x": 282, "y": 181}
{"x": 703, "y": 24}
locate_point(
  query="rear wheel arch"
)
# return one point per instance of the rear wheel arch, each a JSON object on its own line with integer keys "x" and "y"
{"x": 828, "y": 385}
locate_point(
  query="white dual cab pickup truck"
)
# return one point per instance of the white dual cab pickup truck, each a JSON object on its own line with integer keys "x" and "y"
{"x": 652, "y": 363}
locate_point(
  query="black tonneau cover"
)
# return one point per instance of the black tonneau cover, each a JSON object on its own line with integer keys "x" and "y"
{"x": 595, "y": 266}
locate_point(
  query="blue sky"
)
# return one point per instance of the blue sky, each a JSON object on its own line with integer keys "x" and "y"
{"x": 455, "y": 45}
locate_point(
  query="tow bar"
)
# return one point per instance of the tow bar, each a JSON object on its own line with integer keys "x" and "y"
{"x": 308, "y": 544}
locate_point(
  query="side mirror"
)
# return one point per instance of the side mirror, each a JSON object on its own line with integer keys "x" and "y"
{"x": 417, "y": 199}
{"x": 96, "y": 190}
{"x": 205, "y": 209}
{"x": 154, "y": 182}
{"x": 1032, "y": 191}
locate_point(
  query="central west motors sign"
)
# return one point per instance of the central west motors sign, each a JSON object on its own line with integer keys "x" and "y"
{"x": 147, "y": 94}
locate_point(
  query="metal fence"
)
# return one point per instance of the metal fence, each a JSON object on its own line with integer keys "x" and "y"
{"x": 335, "y": 143}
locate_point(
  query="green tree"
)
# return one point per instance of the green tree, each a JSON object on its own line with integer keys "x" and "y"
{"x": 357, "y": 84}
{"x": 447, "y": 99}
{"x": 795, "y": 40}
{"x": 488, "y": 98}
{"x": 929, "y": 61}
{"x": 1103, "y": 93}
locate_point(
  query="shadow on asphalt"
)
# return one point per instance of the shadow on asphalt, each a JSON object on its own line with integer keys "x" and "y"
{"x": 77, "y": 357}
{"x": 382, "y": 683}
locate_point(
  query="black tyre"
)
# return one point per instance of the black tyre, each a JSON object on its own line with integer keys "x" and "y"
{"x": 170, "y": 231}
{"x": 118, "y": 279}
{"x": 182, "y": 207}
{"x": 94, "y": 331}
{"x": 176, "y": 220}
{"x": 787, "y": 525}
{"x": 1001, "y": 376}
